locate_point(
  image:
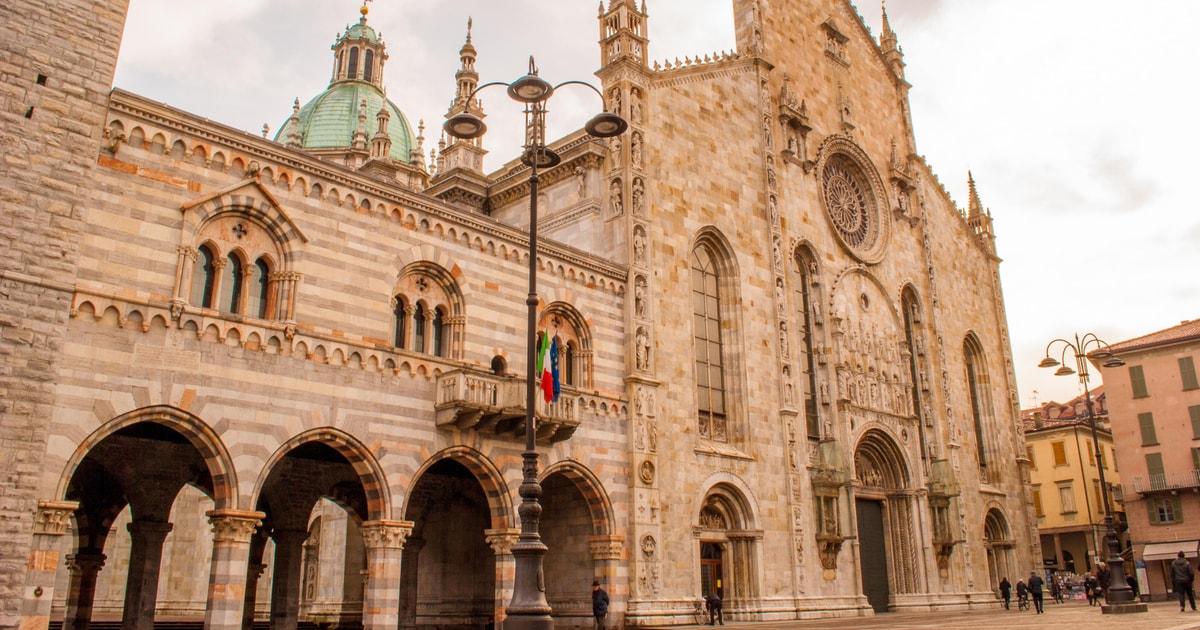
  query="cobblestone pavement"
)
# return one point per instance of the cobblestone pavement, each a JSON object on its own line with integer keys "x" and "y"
{"x": 1067, "y": 616}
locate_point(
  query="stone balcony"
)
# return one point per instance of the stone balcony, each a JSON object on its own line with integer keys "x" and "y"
{"x": 495, "y": 405}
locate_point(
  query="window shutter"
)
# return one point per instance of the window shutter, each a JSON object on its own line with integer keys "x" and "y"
{"x": 1146, "y": 422}
{"x": 1187, "y": 373}
{"x": 1060, "y": 453}
{"x": 1137, "y": 379}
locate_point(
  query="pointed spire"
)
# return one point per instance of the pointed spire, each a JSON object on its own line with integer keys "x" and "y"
{"x": 890, "y": 47}
{"x": 466, "y": 78}
{"x": 974, "y": 207}
{"x": 887, "y": 39}
{"x": 293, "y": 138}
{"x": 381, "y": 143}
{"x": 417, "y": 154}
{"x": 360, "y": 134}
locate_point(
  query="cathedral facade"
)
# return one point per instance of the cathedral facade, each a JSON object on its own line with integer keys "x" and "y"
{"x": 283, "y": 378}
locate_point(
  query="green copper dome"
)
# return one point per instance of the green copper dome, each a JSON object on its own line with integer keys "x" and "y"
{"x": 330, "y": 120}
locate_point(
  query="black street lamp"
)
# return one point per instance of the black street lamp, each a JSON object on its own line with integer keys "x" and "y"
{"x": 528, "y": 609}
{"x": 1117, "y": 594}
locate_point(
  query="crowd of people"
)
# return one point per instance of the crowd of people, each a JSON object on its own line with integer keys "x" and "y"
{"x": 1063, "y": 586}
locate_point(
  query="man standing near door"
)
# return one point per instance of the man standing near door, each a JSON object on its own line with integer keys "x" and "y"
{"x": 599, "y": 604}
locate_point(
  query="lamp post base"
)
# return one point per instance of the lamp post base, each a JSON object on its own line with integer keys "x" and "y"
{"x": 1124, "y": 607}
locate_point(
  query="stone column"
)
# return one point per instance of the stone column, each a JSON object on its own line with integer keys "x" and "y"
{"x": 384, "y": 541}
{"x": 1058, "y": 553}
{"x": 408, "y": 583}
{"x": 606, "y": 560}
{"x": 253, "y": 573}
{"x": 231, "y": 531}
{"x": 502, "y": 541}
{"x": 141, "y": 585}
{"x": 84, "y": 566}
{"x": 49, "y": 526}
{"x": 285, "y": 585}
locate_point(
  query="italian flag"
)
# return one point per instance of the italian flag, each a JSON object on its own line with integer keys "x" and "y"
{"x": 546, "y": 370}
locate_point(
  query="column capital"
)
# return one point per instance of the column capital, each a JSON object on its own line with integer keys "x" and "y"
{"x": 235, "y": 526}
{"x": 85, "y": 562}
{"x": 386, "y": 534}
{"x": 53, "y": 517}
{"x": 606, "y": 547}
{"x": 502, "y": 540}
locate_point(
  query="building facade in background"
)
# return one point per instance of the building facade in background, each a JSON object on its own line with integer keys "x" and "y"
{"x": 1065, "y": 481}
{"x": 250, "y": 377}
{"x": 1155, "y": 405}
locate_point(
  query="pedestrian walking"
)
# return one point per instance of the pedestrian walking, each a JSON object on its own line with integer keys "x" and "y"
{"x": 1022, "y": 596}
{"x": 1035, "y": 590}
{"x": 1182, "y": 577}
{"x": 599, "y": 604}
{"x": 1005, "y": 592}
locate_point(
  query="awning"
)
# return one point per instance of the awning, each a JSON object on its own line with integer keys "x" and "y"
{"x": 1170, "y": 550}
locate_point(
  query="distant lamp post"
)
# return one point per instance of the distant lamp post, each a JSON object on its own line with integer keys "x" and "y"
{"x": 528, "y": 609}
{"x": 1117, "y": 594}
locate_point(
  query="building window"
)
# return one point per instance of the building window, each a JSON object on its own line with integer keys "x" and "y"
{"x": 1029, "y": 455}
{"x": 419, "y": 328}
{"x": 706, "y": 324}
{"x": 1187, "y": 373}
{"x": 1066, "y": 498}
{"x": 370, "y": 61}
{"x": 1137, "y": 380}
{"x": 1091, "y": 455}
{"x": 1146, "y": 423}
{"x": 260, "y": 283}
{"x": 436, "y": 330}
{"x": 1037, "y": 502}
{"x": 352, "y": 73}
{"x": 976, "y": 383}
{"x": 1060, "y": 453}
{"x": 204, "y": 277}
{"x": 1165, "y": 511}
{"x": 1155, "y": 472}
{"x": 1194, "y": 412}
{"x": 231, "y": 280}
{"x": 400, "y": 322}
{"x": 812, "y": 420}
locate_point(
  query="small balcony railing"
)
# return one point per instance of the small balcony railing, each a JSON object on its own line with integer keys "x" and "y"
{"x": 1181, "y": 480}
{"x": 495, "y": 405}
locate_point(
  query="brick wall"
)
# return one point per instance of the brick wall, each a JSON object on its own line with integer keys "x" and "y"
{"x": 56, "y": 66}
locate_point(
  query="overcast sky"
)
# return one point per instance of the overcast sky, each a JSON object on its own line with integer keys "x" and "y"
{"x": 1078, "y": 118}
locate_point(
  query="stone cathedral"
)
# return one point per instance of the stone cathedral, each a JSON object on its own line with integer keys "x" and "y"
{"x": 281, "y": 380}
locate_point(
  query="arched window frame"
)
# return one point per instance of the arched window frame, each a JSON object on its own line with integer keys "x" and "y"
{"x": 400, "y": 322}
{"x": 807, "y": 279}
{"x": 204, "y": 277}
{"x": 368, "y": 65}
{"x": 979, "y": 400}
{"x": 708, "y": 347}
{"x": 428, "y": 305}
{"x": 352, "y": 71}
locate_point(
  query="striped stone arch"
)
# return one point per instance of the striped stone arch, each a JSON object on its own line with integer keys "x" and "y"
{"x": 360, "y": 458}
{"x": 500, "y": 506}
{"x": 253, "y": 201}
{"x": 728, "y": 496}
{"x": 193, "y": 429}
{"x": 599, "y": 507}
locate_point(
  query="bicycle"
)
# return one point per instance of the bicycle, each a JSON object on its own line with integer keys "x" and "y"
{"x": 1023, "y": 602}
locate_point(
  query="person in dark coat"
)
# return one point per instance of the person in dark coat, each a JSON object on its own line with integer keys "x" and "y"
{"x": 1035, "y": 590}
{"x": 1182, "y": 576}
{"x": 1022, "y": 594}
{"x": 1005, "y": 592}
{"x": 599, "y": 604}
{"x": 1089, "y": 588}
{"x": 713, "y": 602}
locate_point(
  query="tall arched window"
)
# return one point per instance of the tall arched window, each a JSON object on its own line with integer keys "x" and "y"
{"x": 911, "y": 323}
{"x": 352, "y": 72}
{"x": 706, "y": 324}
{"x": 369, "y": 64}
{"x": 977, "y": 382}
{"x": 806, "y": 264}
{"x": 257, "y": 302}
{"x": 204, "y": 277}
{"x": 419, "y": 328}
{"x": 436, "y": 331}
{"x": 400, "y": 320}
{"x": 231, "y": 285}
{"x": 566, "y": 362}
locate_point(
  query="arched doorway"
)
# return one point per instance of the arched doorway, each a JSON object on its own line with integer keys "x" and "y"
{"x": 316, "y": 493}
{"x": 143, "y": 484}
{"x": 1000, "y": 547}
{"x": 448, "y": 575}
{"x": 728, "y": 548}
{"x": 885, "y": 515}
{"x": 575, "y": 526}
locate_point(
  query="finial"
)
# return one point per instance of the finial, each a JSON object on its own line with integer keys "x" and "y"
{"x": 266, "y": 130}
{"x": 364, "y": 10}
{"x": 469, "y": 24}
{"x": 296, "y": 105}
